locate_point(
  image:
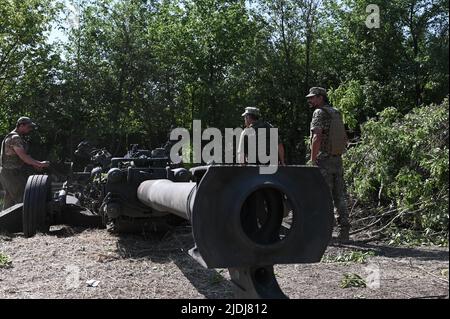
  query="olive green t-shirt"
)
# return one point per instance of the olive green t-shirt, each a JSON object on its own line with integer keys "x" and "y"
{"x": 10, "y": 160}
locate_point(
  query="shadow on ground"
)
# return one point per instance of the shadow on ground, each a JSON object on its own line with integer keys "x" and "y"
{"x": 63, "y": 231}
{"x": 173, "y": 246}
{"x": 381, "y": 249}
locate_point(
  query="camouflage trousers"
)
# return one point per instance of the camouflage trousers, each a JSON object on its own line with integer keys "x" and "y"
{"x": 333, "y": 172}
{"x": 13, "y": 182}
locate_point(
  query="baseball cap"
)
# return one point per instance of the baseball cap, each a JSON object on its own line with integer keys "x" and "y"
{"x": 317, "y": 91}
{"x": 25, "y": 120}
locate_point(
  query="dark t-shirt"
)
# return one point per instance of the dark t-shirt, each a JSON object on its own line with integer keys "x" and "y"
{"x": 261, "y": 128}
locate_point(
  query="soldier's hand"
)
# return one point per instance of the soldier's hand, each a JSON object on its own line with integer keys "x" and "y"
{"x": 41, "y": 165}
{"x": 46, "y": 164}
{"x": 312, "y": 163}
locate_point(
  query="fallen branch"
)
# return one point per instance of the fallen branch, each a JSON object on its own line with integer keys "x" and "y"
{"x": 410, "y": 264}
{"x": 378, "y": 220}
{"x": 353, "y": 207}
{"x": 396, "y": 217}
{"x": 431, "y": 274}
{"x": 389, "y": 212}
{"x": 374, "y": 216}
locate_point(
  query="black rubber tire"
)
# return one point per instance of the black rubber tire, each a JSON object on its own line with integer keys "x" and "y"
{"x": 36, "y": 196}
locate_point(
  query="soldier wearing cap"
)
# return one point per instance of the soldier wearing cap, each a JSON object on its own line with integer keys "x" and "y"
{"x": 13, "y": 160}
{"x": 252, "y": 120}
{"x": 330, "y": 165}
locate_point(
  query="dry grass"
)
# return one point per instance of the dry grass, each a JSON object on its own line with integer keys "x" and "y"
{"x": 158, "y": 266}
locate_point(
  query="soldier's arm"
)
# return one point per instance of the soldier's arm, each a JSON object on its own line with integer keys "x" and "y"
{"x": 281, "y": 154}
{"x": 315, "y": 143}
{"x": 316, "y": 132}
{"x": 27, "y": 159}
{"x": 240, "y": 151}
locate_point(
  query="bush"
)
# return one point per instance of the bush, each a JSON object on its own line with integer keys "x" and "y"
{"x": 402, "y": 162}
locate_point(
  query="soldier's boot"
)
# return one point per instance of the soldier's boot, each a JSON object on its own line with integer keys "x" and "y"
{"x": 342, "y": 222}
{"x": 343, "y": 234}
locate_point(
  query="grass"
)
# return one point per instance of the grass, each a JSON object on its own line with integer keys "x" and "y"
{"x": 5, "y": 261}
{"x": 355, "y": 256}
{"x": 352, "y": 280}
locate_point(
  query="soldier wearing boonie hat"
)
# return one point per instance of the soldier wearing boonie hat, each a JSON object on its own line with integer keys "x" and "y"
{"x": 252, "y": 120}
{"x": 13, "y": 160}
{"x": 328, "y": 141}
{"x": 251, "y": 110}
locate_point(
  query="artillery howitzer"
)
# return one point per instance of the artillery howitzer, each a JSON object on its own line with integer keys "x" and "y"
{"x": 237, "y": 214}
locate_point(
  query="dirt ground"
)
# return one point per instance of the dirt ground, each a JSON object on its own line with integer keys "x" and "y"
{"x": 57, "y": 265}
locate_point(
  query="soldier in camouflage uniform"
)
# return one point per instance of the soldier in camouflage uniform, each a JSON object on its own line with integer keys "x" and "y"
{"x": 13, "y": 161}
{"x": 330, "y": 165}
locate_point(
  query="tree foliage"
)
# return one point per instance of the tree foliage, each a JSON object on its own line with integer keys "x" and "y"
{"x": 129, "y": 70}
{"x": 402, "y": 161}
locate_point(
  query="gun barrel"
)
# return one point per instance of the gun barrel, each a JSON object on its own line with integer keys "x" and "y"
{"x": 166, "y": 196}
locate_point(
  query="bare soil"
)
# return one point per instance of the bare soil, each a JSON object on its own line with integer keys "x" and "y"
{"x": 58, "y": 264}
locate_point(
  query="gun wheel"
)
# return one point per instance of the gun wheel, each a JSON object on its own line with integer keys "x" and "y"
{"x": 36, "y": 196}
